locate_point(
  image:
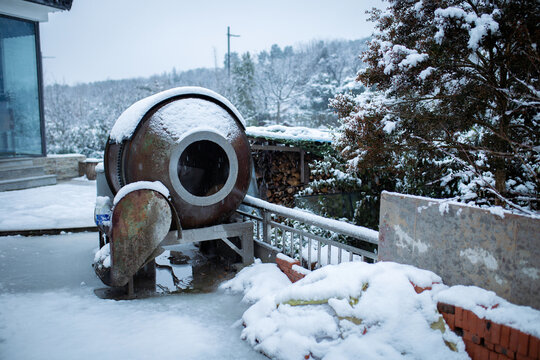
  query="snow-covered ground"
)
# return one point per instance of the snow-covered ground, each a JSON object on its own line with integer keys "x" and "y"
{"x": 48, "y": 310}
{"x": 68, "y": 204}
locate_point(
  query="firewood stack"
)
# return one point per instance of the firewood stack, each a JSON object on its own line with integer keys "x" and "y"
{"x": 279, "y": 175}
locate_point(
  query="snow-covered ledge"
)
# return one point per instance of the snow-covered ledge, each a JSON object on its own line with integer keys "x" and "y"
{"x": 466, "y": 245}
{"x": 64, "y": 166}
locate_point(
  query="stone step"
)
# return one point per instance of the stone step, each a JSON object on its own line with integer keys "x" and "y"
{"x": 28, "y": 182}
{"x": 15, "y": 162}
{"x": 20, "y": 172}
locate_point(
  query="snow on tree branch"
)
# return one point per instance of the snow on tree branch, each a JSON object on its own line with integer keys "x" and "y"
{"x": 453, "y": 106}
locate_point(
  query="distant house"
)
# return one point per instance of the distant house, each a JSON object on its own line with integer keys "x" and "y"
{"x": 22, "y": 132}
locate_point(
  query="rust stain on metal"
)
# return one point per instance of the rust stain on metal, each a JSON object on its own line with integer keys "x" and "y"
{"x": 140, "y": 222}
{"x": 146, "y": 156}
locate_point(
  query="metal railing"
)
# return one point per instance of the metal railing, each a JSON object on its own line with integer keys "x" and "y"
{"x": 308, "y": 237}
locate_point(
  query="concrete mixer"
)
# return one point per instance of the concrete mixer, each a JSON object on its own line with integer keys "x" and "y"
{"x": 177, "y": 165}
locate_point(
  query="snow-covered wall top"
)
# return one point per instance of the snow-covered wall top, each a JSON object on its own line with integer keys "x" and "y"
{"x": 127, "y": 122}
{"x": 465, "y": 245}
{"x": 295, "y": 133}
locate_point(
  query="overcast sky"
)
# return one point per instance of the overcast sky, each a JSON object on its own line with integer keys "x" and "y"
{"x": 116, "y": 39}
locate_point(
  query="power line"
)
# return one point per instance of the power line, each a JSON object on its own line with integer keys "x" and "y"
{"x": 229, "y": 35}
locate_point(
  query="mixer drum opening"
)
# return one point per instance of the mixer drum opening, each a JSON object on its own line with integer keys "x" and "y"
{"x": 203, "y": 168}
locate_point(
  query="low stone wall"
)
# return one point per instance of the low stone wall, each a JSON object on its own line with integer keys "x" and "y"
{"x": 64, "y": 166}
{"x": 464, "y": 245}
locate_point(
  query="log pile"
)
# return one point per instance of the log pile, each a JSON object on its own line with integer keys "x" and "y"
{"x": 279, "y": 175}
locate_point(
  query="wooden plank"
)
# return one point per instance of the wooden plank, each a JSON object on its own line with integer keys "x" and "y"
{"x": 275, "y": 148}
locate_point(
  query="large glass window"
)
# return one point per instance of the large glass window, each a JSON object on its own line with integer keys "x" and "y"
{"x": 20, "y": 121}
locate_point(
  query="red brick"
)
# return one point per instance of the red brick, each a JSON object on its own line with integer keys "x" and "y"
{"x": 450, "y": 320}
{"x": 523, "y": 343}
{"x": 283, "y": 265}
{"x": 493, "y": 355}
{"x": 483, "y": 353}
{"x": 476, "y": 339}
{"x": 505, "y": 336}
{"x": 472, "y": 322}
{"x": 469, "y": 348}
{"x": 489, "y": 345}
{"x": 420, "y": 289}
{"x": 446, "y": 308}
{"x": 534, "y": 347}
{"x": 480, "y": 327}
{"x": 458, "y": 320}
{"x": 514, "y": 339}
{"x": 479, "y": 353}
{"x": 467, "y": 335}
{"x": 522, "y": 357}
{"x": 507, "y": 352}
{"x": 493, "y": 332}
{"x": 476, "y": 323}
{"x": 465, "y": 320}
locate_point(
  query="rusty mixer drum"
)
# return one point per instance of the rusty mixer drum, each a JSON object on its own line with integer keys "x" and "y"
{"x": 193, "y": 141}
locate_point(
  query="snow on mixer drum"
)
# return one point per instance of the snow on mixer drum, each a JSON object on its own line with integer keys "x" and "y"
{"x": 193, "y": 141}
{"x": 189, "y": 141}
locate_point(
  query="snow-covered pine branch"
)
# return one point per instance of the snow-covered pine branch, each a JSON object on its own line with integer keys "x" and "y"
{"x": 462, "y": 76}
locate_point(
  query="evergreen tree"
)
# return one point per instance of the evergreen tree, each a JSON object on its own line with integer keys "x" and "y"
{"x": 454, "y": 103}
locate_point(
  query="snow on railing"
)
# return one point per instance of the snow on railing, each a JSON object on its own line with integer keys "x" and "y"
{"x": 309, "y": 239}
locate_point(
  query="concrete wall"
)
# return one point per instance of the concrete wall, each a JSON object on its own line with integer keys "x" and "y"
{"x": 464, "y": 245}
{"x": 64, "y": 166}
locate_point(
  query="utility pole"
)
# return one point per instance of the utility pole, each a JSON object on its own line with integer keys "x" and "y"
{"x": 229, "y": 35}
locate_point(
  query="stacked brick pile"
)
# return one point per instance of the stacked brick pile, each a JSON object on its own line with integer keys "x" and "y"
{"x": 291, "y": 267}
{"x": 484, "y": 339}
{"x": 487, "y": 340}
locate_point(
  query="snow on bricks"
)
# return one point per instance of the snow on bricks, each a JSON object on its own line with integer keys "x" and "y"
{"x": 378, "y": 311}
{"x": 291, "y": 267}
{"x": 348, "y": 311}
{"x": 491, "y": 328}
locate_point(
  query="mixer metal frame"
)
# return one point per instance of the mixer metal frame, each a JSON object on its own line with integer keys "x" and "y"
{"x": 243, "y": 230}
